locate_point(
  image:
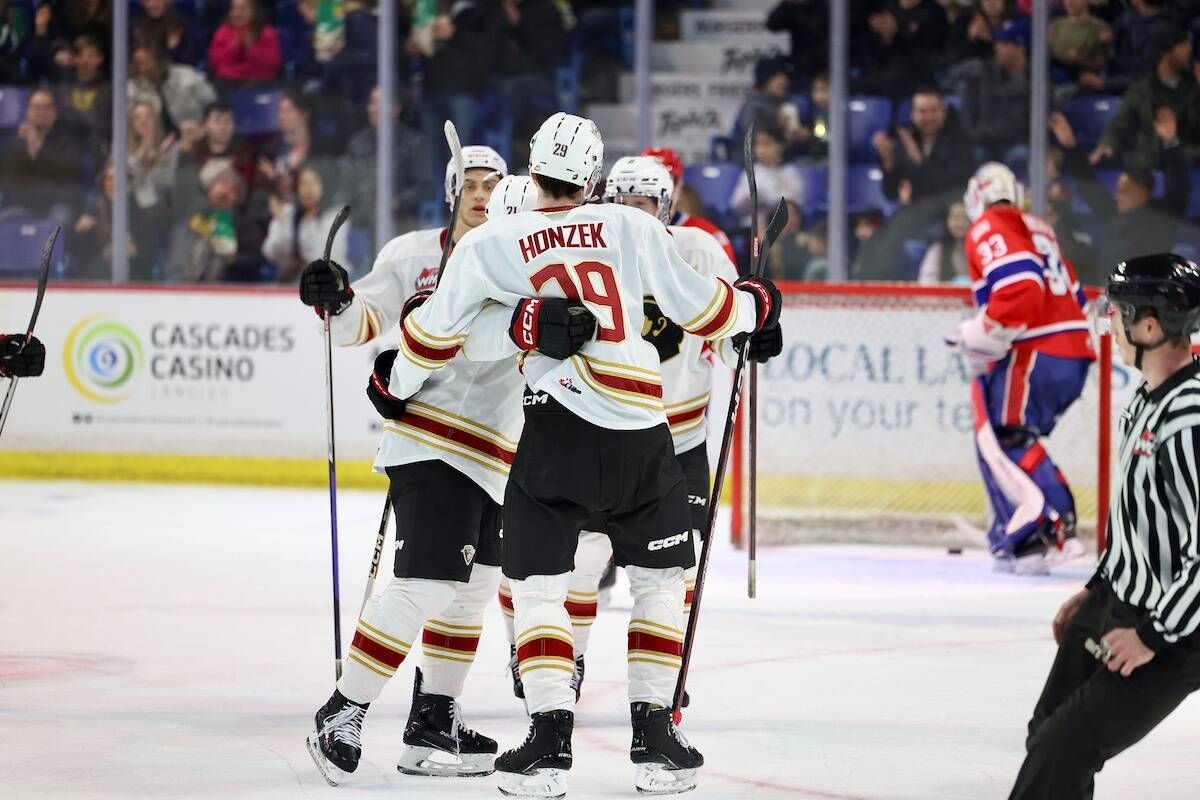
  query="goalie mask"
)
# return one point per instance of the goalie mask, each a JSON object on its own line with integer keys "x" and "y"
{"x": 641, "y": 176}
{"x": 474, "y": 157}
{"x": 512, "y": 195}
{"x": 568, "y": 148}
{"x": 991, "y": 183}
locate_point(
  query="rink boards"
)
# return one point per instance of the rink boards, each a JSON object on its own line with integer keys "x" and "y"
{"x": 865, "y": 408}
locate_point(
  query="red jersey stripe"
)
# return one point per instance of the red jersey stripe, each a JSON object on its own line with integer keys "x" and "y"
{"x": 463, "y": 644}
{"x": 723, "y": 317}
{"x": 640, "y": 640}
{"x": 382, "y": 654}
{"x": 546, "y": 646}
{"x": 459, "y": 436}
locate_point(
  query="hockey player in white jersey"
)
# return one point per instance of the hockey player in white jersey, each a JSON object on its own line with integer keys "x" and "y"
{"x": 595, "y": 439}
{"x": 447, "y": 452}
{"x": 644, "y": 182}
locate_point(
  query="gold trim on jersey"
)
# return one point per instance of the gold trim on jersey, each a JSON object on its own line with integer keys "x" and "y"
{"x": 695, "y": 404}
{"x": 593, "y": 372}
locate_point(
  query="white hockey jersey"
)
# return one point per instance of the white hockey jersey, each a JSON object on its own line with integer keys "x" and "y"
{"x": 609, "y": 257}
{"x": 687, "y": 375}
{"x": 468, "y": 415}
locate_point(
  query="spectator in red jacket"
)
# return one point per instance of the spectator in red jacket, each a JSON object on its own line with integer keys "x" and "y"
{"x": 244, "y": 48}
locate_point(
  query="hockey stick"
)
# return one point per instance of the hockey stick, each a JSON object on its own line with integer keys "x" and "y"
{"x": 457, "y": 159}
{"x": 338, "y": 222}
{"x": 455, "y": 146}
{"x": 380, "y": 538}
{"x": 43, "y": 277}
{"x": 774, "y": 227}
{"x": 752, "y": 562}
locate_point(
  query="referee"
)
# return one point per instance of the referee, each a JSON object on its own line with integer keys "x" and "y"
{"x": 1127, "y": 649}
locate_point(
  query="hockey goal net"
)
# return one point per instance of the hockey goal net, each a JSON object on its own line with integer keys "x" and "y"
{"x": 865, "y": 423}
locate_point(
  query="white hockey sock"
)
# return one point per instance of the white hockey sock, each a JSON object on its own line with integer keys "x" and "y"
{"x": 655, "y": 633}
{"x": 591, "y": 559}
{"x": 544, "y": 648}
{"x": 449, "y": 642}
{"x": 385, "y": 633}
{"x": 689, "y": 588}
{"x": 506, "y": 606}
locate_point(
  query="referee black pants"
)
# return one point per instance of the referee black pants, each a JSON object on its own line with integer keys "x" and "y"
{"x": 1086, "y": 714}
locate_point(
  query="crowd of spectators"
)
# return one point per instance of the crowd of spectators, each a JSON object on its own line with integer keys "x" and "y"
{"x": 957, "y": 73}
{"x": 251, "y": 121}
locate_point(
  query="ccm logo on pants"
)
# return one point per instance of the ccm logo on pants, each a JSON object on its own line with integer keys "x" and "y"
{"x": 668, "y": 541}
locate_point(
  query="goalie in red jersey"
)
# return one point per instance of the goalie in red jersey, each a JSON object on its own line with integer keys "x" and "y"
{"x": 1030, "y": 342}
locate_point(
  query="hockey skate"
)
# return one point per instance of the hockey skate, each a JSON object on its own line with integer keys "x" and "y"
{"x": 336, "y": 744}
{"x": 538, "y": 768}
{"x": 666, "y": 763}
{"x": 437, "y": 744}
{"x": 577, "y": 677}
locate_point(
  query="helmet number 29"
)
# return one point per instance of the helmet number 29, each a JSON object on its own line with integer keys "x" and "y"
{"x": 591, "y": 282}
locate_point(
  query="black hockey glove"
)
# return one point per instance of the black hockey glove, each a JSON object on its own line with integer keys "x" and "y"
{"x": 27, "y": 363}
{"x": 325, "y": 287}
{"x": 661, "y": 332}
{"x": 553, "y": 326}
{"x": 414, "y": 302}
{"x": 764, "y": 345}
{"x": 766, "y": 298}
{"x": 387, "y": 404}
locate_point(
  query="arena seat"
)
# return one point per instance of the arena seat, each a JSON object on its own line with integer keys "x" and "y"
{"x": 21, "y": 242}
{"x": 864, "y": 191}
{"x": 714, "y": 183}
{"x": 255, "y": 112}
{"x": 816, "y": 188}
{"x": 13, "y": 100}
{"x": 1089, "y": 116}
{"x": 866, "y": 115}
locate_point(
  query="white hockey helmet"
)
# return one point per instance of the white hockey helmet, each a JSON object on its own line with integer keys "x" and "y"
{"x": 643, "y": 176}
{"x": 568, "y": 148}
{"x": 475, "y": 156}
{"x": 992, "y": 183}
{"x": 512, "y": 195}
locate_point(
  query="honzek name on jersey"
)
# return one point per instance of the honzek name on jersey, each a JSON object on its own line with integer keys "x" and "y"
{"x": 585, "y": 235}
{"x": 614, "y": 381}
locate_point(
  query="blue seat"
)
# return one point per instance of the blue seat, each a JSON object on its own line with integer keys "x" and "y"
{"x": 816, "y": 189}
{"x": 914, "y": 252}
{"x": 714, "y": 183}
{"x": 13, "y": 100}
{"x": 431, "y": 214}
{"x": 864, "y": 116}
{"x": 864, "y": 191}
{"x": 1193, "y": 208}
{"x": 358, "y": 249}
{"x": 21, "y": 242}
{"x": 1089, "y": 116}
{"x": 255, "y": 112}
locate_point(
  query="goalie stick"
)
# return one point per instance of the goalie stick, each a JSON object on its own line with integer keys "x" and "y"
{"x": 774, "y": 227}
{"x": 338, "y": 222}
{"x": 455, "y": 146}
{"x": 43, "y": 277}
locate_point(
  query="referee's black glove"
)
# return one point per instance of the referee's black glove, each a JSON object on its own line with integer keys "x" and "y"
{"x": 553, "y": 326}
{"x": 325, "y": 287}
{"x": 18, "y": 362}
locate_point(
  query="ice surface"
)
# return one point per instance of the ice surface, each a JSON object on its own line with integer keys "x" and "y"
{"x": 168, "y": 641}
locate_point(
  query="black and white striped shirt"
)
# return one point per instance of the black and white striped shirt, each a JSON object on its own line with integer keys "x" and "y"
{"x": 1153, "y": 556}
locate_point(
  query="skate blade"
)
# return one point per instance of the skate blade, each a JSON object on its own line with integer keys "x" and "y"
{"x": 433, "y": 763}
{"x": 1035, "y": 564}
{"x": 657, "y": 779}
{"x": 551, "y": 783}
{"x": 332, "y": 775}
{"x": 1071, "y": 550}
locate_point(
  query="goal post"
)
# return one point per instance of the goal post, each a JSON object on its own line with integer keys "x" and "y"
{"x": 866, "y": 429}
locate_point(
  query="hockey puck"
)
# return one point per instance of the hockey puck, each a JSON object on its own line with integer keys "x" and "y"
{"x": 954, "y": 551}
